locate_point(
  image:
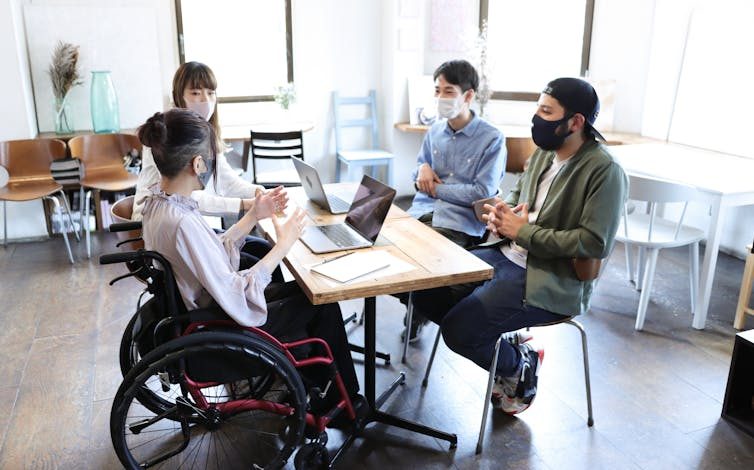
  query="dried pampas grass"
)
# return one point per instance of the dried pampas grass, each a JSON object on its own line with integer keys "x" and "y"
{"x": 63, "y": 69}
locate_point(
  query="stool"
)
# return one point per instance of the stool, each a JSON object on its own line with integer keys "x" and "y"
{"x": 745, "y": 295}
{"x": 493, "y": 369}
{"x": 738, "y": 406}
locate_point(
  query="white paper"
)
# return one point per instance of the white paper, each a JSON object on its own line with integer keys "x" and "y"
{"x": 361, "y": 266}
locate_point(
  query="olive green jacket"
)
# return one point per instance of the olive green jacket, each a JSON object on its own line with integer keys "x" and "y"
{"x": 578, "y": 218}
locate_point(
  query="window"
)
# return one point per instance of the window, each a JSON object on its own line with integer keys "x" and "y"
{"x": 532, "y": 42}
{"x": 247, "y": 43}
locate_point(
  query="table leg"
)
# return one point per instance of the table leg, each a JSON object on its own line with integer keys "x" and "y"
{"x": 717, "y": 220}
{"x": 370, "y": 327}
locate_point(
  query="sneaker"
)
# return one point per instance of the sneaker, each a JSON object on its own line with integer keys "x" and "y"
{"x": 515, "y": 394}
{"x": 416, "y": 331}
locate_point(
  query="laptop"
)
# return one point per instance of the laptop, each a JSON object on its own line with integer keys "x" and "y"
{"x": 362, "y": 225}
{"x": 316, "y": 191}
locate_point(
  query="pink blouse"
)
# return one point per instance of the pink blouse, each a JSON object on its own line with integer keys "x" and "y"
{"x": 205, "y": 264}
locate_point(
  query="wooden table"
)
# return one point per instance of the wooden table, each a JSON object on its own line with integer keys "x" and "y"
{"x": 723, "y": 181}
{"x": 438, "y": 262}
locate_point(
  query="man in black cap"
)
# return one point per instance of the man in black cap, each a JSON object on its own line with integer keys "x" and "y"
{"x": 566, "y": 205}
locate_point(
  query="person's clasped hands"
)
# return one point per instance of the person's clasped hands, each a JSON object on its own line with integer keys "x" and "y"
{"x": 427, "y": 180}
{"x": 504, "y": 221}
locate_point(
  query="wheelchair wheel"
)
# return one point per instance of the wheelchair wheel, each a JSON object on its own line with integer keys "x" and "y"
{"x": 211, "y": 413}
{"x": 128, "y": 353}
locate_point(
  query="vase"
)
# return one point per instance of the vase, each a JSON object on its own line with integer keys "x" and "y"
{"x": 63, "y": 116}
{"x": 104, "y": 103}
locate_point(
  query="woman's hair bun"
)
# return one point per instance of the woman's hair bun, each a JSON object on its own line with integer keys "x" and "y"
{"x": 154, "y": 133}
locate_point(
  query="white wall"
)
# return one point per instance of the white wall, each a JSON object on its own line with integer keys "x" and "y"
{"x": 18, "y": 119}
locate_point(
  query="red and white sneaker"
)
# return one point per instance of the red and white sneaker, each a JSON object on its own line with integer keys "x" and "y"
{"x": 515, "y": 394}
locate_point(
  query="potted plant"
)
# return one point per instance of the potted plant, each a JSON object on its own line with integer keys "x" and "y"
{"x": 285, "y": 95}
{"x": 64, "y": 76}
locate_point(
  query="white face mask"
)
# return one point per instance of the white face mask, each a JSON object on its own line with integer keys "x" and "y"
{"x": 205, "y": 109}
{"x": 449, "y": 108}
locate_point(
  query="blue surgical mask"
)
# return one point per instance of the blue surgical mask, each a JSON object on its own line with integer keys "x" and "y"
{"x": 545, "y": 133}
{"x": 207, "y": 175}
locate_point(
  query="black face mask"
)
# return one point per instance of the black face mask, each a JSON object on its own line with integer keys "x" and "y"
{"x": 205, "y": 177}
{"x": 544, "y": 132}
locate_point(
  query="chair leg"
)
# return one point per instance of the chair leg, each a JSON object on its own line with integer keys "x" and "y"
{"x": 88, "y": 229}
{"x": 70, "y": 217}
{"x": 59, "y": 211}
{"x": 337, "y": 169}
{"x": 693, "y": 273}
{"x": 640, "y": 268}
{"x": 5, "y": 224}
{"x": 488, "y": 396}
{"x": 81, "y": 210}
{"x": 390, "y": 172}
{"x": 646, "y": 288}
{"x": 587, "y": 380}
{"x": 432, "y": 357}
{"x": 409, "y": 319}
{"x": 745, "y": 294}
{"x": 629, "y": 263}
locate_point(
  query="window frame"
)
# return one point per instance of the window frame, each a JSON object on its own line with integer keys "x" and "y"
{"x": 484, "y": 8}
{"x": 242, "y": 99}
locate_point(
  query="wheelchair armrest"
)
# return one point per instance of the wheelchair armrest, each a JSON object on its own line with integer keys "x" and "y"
{"x": 113, "y": 258}
{"x": 586, "y": 269}
{"x": 125, "y": 226}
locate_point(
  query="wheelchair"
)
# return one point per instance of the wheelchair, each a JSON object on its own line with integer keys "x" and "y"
{"x": 201, "y": 391}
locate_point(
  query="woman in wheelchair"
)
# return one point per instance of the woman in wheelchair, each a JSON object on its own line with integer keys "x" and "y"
{"x": 205, "y": 270}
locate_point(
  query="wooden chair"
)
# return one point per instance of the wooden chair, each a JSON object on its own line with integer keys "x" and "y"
{"x": 28, "y": 166}
{"x": 744, "y": 296}
{"x": 651, "y": 233}
{"x": 370, "y": 156}
{"x": 121, "y": 213}
{"x": 276, "y": 146}
{"x": 102, "y": 156}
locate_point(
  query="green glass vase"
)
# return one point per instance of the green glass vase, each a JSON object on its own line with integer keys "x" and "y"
{"x": 104, "y": 103}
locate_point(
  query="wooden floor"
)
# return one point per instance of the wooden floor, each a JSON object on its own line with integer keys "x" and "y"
{"x": 657, "y": 394}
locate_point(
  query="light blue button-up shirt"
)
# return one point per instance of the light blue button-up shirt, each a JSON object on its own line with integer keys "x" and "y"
{"x": 470, "y": 162}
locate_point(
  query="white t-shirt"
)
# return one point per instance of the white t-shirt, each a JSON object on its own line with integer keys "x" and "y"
{"x": 218, "y": 198}
{"x": 513, "y": 251}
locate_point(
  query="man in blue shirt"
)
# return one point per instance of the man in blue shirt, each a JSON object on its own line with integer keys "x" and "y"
{"x": 462, "y": 160}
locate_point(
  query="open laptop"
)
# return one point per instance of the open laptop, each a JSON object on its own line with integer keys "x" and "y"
{"x": 362, "y": 225}
{"x": 316, "y": 191}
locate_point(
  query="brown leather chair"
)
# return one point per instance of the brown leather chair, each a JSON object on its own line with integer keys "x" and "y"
{"x": 28, "y": 166}
{"x": 102, "y": 156}
{"x": 121, "y": 213}
{"x": 519, "y": 150}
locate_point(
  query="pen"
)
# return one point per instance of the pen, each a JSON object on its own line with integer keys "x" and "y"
{"x": 333, "y": 258}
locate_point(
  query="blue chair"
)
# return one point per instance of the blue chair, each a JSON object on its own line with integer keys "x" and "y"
{"x": 372, "y": 157}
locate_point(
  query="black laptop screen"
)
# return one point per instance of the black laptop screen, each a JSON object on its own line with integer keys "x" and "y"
{"x": 370, "y": 207}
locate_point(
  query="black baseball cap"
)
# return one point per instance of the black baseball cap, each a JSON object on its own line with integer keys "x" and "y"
{"x": 577, "y": 96}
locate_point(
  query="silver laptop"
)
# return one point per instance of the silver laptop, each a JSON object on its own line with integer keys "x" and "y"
{"x": 335, "y": 203}
{"x": 362, "y": 225}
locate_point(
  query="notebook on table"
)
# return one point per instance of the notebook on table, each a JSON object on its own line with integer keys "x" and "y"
{"x": 334, "y": 203}
{"x": 362, "y": 225}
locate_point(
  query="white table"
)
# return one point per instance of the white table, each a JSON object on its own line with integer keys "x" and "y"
{"x": 723, "y": 181}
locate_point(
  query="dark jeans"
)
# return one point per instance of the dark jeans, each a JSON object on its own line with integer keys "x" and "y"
{"x": 290, "y": 316}
{"x": 473, "y": 316}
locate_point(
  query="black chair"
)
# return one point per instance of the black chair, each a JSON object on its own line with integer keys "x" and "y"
{"x": 276, "y": 146}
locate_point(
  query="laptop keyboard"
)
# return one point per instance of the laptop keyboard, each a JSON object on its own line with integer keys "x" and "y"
{"x": 340, "y": 235}
{"x": 338, "y": 204}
